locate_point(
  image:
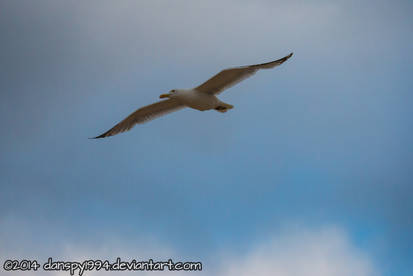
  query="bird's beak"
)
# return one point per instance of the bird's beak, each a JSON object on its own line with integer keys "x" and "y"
{"x": 164, "y": 96}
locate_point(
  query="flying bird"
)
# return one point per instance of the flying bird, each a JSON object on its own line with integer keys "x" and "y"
{"x": 202, "y": 97}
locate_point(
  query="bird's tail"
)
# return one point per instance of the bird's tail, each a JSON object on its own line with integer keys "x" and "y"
{"x": 223, "y": 107}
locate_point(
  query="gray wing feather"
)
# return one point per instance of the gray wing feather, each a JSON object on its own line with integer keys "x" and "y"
{"x": 143, "y": 115}
{"x": 229, "y": 77}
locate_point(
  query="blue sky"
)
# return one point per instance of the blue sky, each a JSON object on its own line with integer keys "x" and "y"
{"x": 316, "y": 156}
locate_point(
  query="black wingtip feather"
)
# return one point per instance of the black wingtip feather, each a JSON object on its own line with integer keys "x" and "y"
{"x": 286, "y": 57}
{"x": 101, "y": 136}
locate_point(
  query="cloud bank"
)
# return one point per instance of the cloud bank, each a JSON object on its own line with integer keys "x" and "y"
{"x": 291, "y": 252}
{"x": 320, "y": 252}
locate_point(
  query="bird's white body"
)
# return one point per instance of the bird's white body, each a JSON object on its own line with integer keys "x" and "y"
{"x": 197, "y": 100}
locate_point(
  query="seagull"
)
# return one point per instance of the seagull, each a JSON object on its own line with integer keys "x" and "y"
{"x": 202, "y": 97}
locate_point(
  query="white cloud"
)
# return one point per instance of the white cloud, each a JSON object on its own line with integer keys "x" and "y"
{"x": 304, "y": 252}
{"x": 292, "y": 252}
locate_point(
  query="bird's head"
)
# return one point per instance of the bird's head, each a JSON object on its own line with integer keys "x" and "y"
{"x": 171, "y": 94}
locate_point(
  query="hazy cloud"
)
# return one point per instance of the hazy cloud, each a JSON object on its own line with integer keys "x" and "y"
{"x": 295, "y": 250}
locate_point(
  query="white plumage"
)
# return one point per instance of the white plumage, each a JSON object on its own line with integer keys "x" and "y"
{"x": 201, "y": 97}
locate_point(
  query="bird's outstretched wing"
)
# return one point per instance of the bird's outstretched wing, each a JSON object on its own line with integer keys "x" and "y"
{"x": 143, "y": 115}
{"x": 229, "y": 77}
